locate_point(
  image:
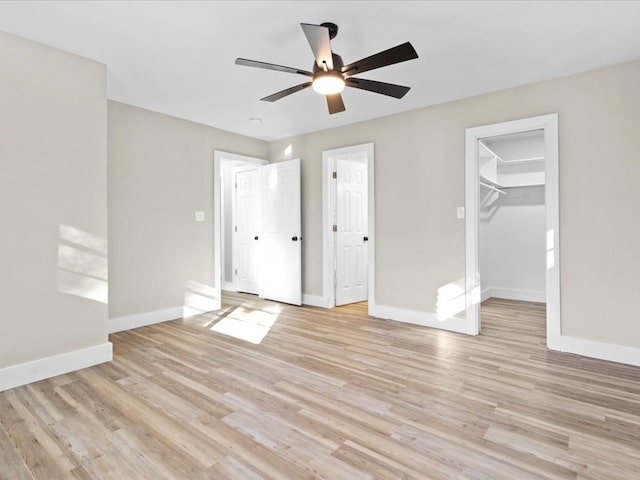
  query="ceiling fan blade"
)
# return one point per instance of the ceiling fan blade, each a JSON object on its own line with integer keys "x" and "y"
{"x": 390, "y": 89}
{"x": 270, "y": 66}
{"x": 335, "y": 103}
{"x": 400, "y": 53}
{"x": 284, "y": 93}
{"x": 318, "y": 38}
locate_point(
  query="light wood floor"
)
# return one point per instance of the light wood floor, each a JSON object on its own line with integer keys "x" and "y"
{"x": 332, "y": 395}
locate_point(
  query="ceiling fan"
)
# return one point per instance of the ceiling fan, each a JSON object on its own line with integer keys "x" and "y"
{"x": 330, "y": 75}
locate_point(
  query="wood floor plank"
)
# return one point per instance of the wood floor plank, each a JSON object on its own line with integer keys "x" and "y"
{"x": 329, "y": 394}
{"x": 38, "y": 449}
{"x": 12, "y": 466}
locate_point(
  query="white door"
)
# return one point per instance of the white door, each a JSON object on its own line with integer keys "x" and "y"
{"x": 280, "y": 238}
{"x": 351, "y": 236}
{"x": 246, "y": 216}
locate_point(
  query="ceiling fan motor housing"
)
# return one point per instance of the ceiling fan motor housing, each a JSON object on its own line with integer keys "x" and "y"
{"x": 333, "y": 29}
{"x": 337, "y": 64}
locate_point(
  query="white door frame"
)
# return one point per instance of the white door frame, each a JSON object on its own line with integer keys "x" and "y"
{"x": 328, "y": 206}
{"x": 549, "y": 124}
{"x": 218, "y": 158}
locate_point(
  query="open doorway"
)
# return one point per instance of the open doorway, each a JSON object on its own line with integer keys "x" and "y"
{"x": 512, "y": 230}
{"x": 257, "y": 223}
{"x": 348, "y": 225}
{"x": 236, "y": 219}
{"x": 512, "y": 221}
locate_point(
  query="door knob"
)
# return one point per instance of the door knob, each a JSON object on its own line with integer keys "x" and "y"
{"x": 256, "y": 237}
{"x": 294, "y": 239}
{"x": 365, "y": 239}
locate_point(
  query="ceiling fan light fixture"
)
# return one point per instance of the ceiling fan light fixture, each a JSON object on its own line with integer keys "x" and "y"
{"x": 328, "y": 83}
{"x": 329, "y": 75}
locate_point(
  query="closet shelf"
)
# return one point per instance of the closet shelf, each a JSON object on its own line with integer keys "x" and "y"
{"x": 492, "y": 183}
{"x": 510, "y": 160}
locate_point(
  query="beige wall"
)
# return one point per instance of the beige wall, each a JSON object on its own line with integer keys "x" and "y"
{"x": 52, "y": 202}
{"x": 160, "y": 172}
{"x": 419, "y": 162}
{"x": 56, "y": 129}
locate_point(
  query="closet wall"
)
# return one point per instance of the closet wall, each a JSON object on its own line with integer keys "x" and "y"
{"x": 512, "y": 221}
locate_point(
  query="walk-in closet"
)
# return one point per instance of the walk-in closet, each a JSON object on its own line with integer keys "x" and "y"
{"x": 512, "y": 218}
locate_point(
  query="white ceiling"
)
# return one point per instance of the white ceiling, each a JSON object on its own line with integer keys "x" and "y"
{"x": 178, "y": 57}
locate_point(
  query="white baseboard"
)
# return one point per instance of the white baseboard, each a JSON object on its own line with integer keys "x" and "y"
{"x": 416, "y": 317}
{"x": 128, "y": 322}
{"x": 228, "y": 287}
{"x": 514, "y": 294}
{"x": 586, "y": 348}
{"x": 313, "y": 300}
{"x": 485, "y": 295}
{"x": 601, "y": 350}
{"x": 35, "y": 370}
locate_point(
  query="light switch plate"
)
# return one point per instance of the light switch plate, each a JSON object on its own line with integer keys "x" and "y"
{"x": 199, "y": 216}
{"x": 460, "y": 212}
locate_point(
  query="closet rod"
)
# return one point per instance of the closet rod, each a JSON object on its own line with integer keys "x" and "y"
{"x": 491, "y": 187}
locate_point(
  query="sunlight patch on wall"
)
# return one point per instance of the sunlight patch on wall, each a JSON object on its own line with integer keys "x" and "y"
{"x": 551, "y": 257}
{"x": 451, "y": 300}
{"x": 82, "y": 264}
{"x": 475, "y": 296}
{"x": 200, "y": 298}
{"x": 248, "y": 325}
{"x": 75, "y": 236}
